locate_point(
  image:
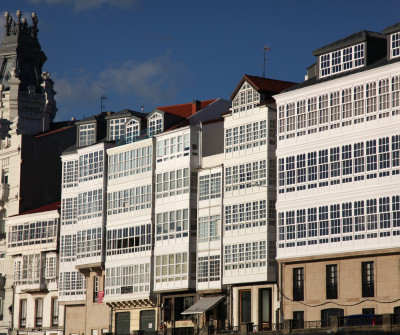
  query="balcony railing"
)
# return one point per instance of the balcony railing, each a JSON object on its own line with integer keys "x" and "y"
{"x": 266, "y": 326}
{"x": 54, "y": 320}
{"x": 38, "y": 321}
{"x": 22, "y": 322}
{"x": 301, "y": 324}
{"x": 4, "y": 191}
{"x": 28, "y": 285}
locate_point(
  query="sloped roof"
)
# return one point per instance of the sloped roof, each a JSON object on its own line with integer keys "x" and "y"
{"x": 352, "y": 39}
{"x": 179, "y": 125}
{"x": 213, "y": 121}
{"x": 313, "y": 81}
{"x": 52, "y": 131}
{"x": 126, "y": 113}
{"x": 46, "y": 208}
{"x": 263, "y": 85}
{"x": 96, "y": 117}
{"x": 184, "y": 110}
{"x": 391, "y": 29}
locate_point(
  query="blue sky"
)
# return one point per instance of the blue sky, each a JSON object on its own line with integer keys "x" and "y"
{"x": 156, "y": 53}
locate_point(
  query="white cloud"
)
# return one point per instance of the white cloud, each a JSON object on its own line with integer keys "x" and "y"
{"x": 86, "y": 4}
{"x": 78, "y": 90}
{"x": 155, "y": 81}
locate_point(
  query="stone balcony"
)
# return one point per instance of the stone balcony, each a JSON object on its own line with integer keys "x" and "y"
{"x": 32, "y": 285}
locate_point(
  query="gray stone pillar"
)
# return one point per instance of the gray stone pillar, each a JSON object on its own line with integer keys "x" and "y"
{"x": 287, "y": 326}
{"x": 334, "y": 323}
{"x": 387, "y": 322}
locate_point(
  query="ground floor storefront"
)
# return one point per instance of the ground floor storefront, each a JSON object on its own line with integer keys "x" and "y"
{"x": 254, "y": 305}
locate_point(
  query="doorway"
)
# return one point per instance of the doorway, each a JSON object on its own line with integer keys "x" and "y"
{"x": 148, "y": 321}
{"x": 122, "y": 323}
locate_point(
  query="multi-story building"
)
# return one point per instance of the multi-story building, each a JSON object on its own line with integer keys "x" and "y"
{"x": 32, "y": 242}
{"x": 338, "y": 181}
{"x": 249, "y": 201}
{"x": 130, "y": 229}
{"x": 212, "y": 303}
{"x": 149, "y": 174}
{"x": 82, "y": 232}
{"x": 177, "y": 162}
{"x": 30, "y": 143}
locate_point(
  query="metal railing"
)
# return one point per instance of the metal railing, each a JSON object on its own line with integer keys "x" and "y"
{"x": 395, "y": 319}
{"x": 267, "y": 326}
{"x": 301, "y": 324}
{"x": 22, "y": 322}
{"x": 183, "y": 331}
{"x": 38, "y": 321}
{"x": 228, "y": 329}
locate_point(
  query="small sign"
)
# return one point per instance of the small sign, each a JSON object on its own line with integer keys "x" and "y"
{"x": 100, "y": 297}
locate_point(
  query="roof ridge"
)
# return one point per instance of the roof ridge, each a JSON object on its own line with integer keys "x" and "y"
{"x": 46, "y": 208}
{"x": 187, "y": 103}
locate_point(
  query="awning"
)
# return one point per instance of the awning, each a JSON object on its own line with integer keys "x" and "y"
{"x": 203, "y": 305}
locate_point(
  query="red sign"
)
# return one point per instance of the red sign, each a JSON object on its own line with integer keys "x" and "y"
{"x": 100, "y": 297}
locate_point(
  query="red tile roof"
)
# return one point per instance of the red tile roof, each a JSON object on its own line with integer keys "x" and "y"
{"x": 263, "y": 85}
{"x": 47, "y": 208}
{"x": 53, "y": 131}
{"x": 184, "y": 110}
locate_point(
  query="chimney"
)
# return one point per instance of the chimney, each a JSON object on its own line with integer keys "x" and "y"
{"x": 196, "y": 106}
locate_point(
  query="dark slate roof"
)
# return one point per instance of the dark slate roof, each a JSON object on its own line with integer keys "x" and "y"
{"x": 94, "y": 118}
{"x": 74, "y": 148}
{"x": 126, "y": 113}
{"x": 391, "y": 29}
{"x": 313, "y": 81}
{"x": 356, "y": 38}
{"x": 263, "y": 85}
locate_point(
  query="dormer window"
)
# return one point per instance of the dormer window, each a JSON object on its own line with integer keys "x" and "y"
{"x": 395, "y": 45}
{"x": 86, "y": 134}
{"x": 246, "y": 98}
{"x": 342, "y": 60}
{"x": 132, "y": 130}
{"x": 117, "y": 128}
{"x": 155, "y": 124}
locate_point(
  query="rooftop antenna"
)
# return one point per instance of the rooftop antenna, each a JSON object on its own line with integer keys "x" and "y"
{"x": 266, "y": 49}
{"x": 102, "y": 99}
